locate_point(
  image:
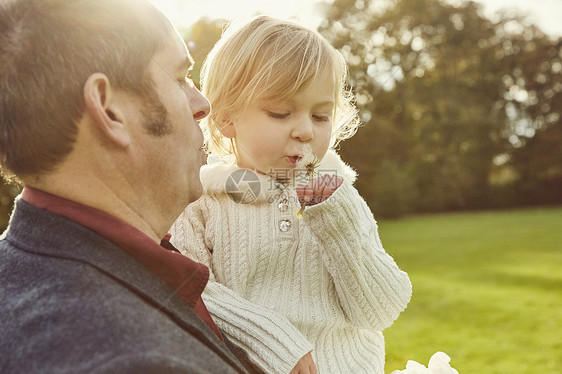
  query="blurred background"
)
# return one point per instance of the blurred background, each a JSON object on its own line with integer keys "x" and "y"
{"x": 459, "y": 157}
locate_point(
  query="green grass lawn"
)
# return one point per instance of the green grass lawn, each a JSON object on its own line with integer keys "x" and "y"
{"x": 487, "y": 290}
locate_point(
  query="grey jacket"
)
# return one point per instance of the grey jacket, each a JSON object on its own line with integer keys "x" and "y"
{"x": 73, "y": 302}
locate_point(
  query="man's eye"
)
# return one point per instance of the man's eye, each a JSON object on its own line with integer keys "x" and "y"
{"x": 277, "y": 115}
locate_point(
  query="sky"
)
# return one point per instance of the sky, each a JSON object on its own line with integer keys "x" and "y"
{"x": 547, "y": 14}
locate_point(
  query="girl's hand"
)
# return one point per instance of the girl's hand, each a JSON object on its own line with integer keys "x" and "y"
{"x": 305, "y": 365}
{"x": 318, "y": 189}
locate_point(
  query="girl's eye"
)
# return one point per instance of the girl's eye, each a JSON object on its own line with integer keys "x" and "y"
{"x": 321, "y": 118}
{"x": 277, "y": 114}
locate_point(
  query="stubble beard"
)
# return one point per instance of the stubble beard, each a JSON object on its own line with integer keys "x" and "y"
{"x": 155, "y": 115}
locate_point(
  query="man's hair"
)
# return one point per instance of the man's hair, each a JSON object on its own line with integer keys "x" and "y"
{"x": 48, "y": 49}
{"x": 270, "y": 59}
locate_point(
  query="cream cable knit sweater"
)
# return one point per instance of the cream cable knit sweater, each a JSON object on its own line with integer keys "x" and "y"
{"x": 280, "y": 286}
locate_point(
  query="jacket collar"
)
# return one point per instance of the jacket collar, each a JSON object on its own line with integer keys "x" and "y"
{"x": 39, "y": 231}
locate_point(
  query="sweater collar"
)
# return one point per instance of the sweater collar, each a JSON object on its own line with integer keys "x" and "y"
{"x": 220, "y": 176}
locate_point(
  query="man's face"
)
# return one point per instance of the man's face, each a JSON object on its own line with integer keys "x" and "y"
{"x": 169, "y": 141}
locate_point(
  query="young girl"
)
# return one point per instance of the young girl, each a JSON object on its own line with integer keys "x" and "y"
{"x": 287, "y": 287}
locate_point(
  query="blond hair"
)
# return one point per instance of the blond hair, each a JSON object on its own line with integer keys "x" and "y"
{"x": 270, "y": 59}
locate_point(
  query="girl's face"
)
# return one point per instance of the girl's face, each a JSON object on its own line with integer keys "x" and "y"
{"x": 270, "y": 135}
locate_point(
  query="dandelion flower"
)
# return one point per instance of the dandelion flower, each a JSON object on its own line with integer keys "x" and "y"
{"x": 308, "y": 163}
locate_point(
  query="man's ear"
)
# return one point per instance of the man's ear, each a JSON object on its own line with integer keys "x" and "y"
{"x": 105, "y": 111}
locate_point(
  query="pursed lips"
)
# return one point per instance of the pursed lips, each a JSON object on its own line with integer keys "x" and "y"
{"x": 203, "y": 154}
{"x": 294, "y": 159}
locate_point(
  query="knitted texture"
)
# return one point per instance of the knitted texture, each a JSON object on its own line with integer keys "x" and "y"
{"x": 325, "y": 284}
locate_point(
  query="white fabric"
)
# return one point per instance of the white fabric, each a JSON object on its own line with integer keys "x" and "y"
{"x": 438, "y": 364}
{"x": 325, "y": 285}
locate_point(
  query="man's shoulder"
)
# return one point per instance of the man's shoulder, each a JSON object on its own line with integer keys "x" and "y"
{"x": 69, "y": 316}
{"x": 72, "y": 313}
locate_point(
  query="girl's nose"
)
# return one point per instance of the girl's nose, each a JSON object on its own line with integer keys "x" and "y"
{"x": 303, "y": 130}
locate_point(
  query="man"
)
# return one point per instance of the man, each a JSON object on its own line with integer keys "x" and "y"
{"x": 99, "y": 123}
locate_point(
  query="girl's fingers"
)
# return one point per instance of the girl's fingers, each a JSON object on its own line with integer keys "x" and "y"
{"x": 318, "y": 189}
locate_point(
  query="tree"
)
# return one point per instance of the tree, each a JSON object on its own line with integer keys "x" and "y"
{"x": 200, "y": 39}
{"x": 8, "y": 192}
{"x": 443, "y": 92}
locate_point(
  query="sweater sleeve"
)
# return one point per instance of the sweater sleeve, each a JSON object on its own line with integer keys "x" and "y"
{"x": 371, "y": 288}
{"x": 270, "y": 340}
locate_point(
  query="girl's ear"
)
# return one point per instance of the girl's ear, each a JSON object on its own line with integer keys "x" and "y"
{"x": 227, "y": 129}
{"x": 103, "y": 108}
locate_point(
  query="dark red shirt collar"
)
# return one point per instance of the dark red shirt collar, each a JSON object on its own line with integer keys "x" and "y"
{"x": 187, "y": 277}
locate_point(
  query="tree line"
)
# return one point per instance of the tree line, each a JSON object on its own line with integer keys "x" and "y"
{"x": 459, "y": 111}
